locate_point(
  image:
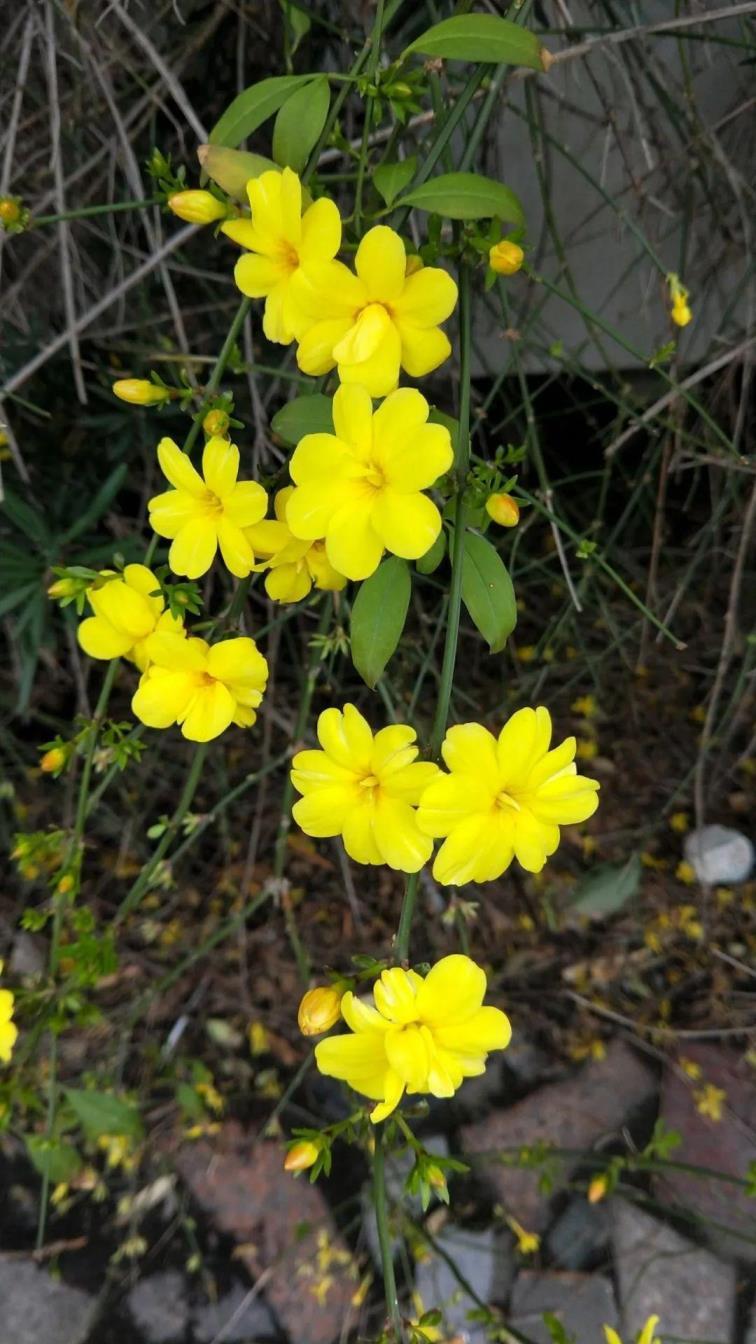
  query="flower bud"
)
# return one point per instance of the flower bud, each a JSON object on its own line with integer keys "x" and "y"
{"x": 436, "y": 1177}
{"x": 216, "y": 423}
{"x": 597, "y": 1189}
{"x": 681, "y": 312}
{"x": 319, "y": 1010}
{"x": 10, "y": 211}
{"x": 232, "y": 169}
{"x": 506, "y": 258}
{"x": 62, "y": 588}
{"x": 197, "y": 207}
{"x": 140, "y": 392}
{"x": 53, "y": 760}
{"x": 301, "y": 1156}
{"x": 503, "y": 509}
{"x": 65, "y": 885}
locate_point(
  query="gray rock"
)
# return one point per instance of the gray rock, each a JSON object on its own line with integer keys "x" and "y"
{"x": 483, "y": 1259}
{"x": 662, "y": 1274}
{"x": 579, "y": 1239}
{"x": 160, "y": 1307}
{"x": 27, "y": 959}
{"x": 584, "y": 1303}
{"x": 719, "y": 854}
{"x": 398, "y": 1168}
{"x": 571, "y": 1114}
{"x": 37, "y": 1309}
{"x": 234, "y": 1318}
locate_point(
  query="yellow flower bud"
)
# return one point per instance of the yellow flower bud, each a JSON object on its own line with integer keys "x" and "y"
{"x": 65, "y": 885}
{"x": 301, "y": 1156}
{"x": 597, "y": 1189}
{"x": 53, "y": 760}
{"x": 197, "y": 207}
{"x": 436, "y": 1177}
{"x": 319, "y": 1010}
{"x": 62, "y": 588}
{"x": 232, "y": 169}
{"x": 506, "y": 258}
{"x": 681, "y": 313}
{"x": 216, "y": 423}
{"x": 503, "y": 509}
{"x": 10, "y": 210}
{"x": 140, "y": 392}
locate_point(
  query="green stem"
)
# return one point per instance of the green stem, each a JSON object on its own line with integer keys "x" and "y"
{"x": 88, "y": 211}
{"x": 384, "y": 1238}
{"x": 139, "y": 887}
{"x": 461, "y": 464}
{"x": 218, "y": 371}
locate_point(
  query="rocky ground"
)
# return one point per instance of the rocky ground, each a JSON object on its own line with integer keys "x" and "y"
{"x": 296, "y": 1258}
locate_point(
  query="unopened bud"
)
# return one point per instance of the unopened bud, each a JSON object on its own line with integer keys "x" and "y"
{"x": 232, "y": 169}
{"x": 10, "y": 211}
{"x": 503, "y": 509}
{"x": 62, "y": 588}
{"x": 436, "y": 1177}
{"x": 681, "y": 312}
{"x": 65, "y": 885}
{"x": 505, "y": 257}
{"x": 140, "y": 392}
{"x": 319, "y": 1010}
{"x": 53, "y": 760}
{"x": 597, "y": 1189}
{"x": 197, "y": 207}
{"x": 216, "y": 423}
{"x": 301, "y": 1156}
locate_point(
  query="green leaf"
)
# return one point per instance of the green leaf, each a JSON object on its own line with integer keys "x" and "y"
{"x": 391, "y": 178}
{"x": 481, "y": 37}
{"x": 103, "y": 1113}
{"x": 608, "y": 889}
{"x": 487, "y": 591}
{"x": 466, "y": 196}
{"x": 99, "y": 504}
{"x": 232, "y": 169}
{"x": 53, "y": 1158}
{"x": 378, "y": 616}
{"x": 304, "y": 415}
{"x": 27, "y": 519}
{"x": 299, "y": 123}
{"x": 432, "y": 558}
{"x": 253, "y": 106}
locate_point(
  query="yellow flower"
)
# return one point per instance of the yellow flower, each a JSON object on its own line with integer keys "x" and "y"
{"x": 505, "y": 258}
{"x": 586, "y": 706}
{"x": 690, "y": 1067}
{"x": 597, "y": 1189}
{"x": 259, "y": 1040}
{"x": 293, "y": 565}
{"x": 126, "y": 615}
{"x": 197, "y": 207}
{"x": 375, "y": 322}
{"x": 319, "y": 1010}
{"x": 685, "y": 872}
{"x": 586, "y": 748}
{"x": 709, "y": 1101}
{"x": 8, "y": 1028}
{"x": 201, "y": 515}
{"x": 365, "y": 789}
{"x": 280, "y": 241}
{"x": 504, "y": 799}
{"x": 362, "y": 488}
{"x": 527, "y": 1242}
{"x": 423, "y": 1035}
{"x": 216, "y": 423}
{"x": 301, "y": 1156}
{"x": 10, "y": 210}
{"x": 646, "y": 1335}
{"x": 503, "y": 509}
{"x": 202, "y": 688}
{"x": 52, "y": 760}
{"x": 680, "y": 312}
{"x": 140, "y": 392}
{"x": 679, "y": 822}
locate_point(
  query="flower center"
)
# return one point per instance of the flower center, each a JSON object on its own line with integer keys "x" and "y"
{"x": 213, "y": 503}
{"x": 204, "y": 679}
{"x": 507, "y": 803}
{"x": 374, "y": 476}
{"x": 369, "y": 782}
{"x": 289, "y": 256}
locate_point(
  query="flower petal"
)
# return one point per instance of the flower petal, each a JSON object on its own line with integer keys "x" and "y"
{"x": 276, "y": 326}
{"x": 169, "y": 649}
{"x": 171, "y": 511}
{"x": 359, "y": 1060}
{"x": 313, "y": 769}
{"x": 314, "y": 505}
{"x": 220, "y": 465}
{"x": 209, "y": 713}
{"x": 422, "y": 348}
{"x": 315, "y": 349}
{"x": 419, "y": 465}
{"x": 408, "y": 1053}
{"x": 177, "y": 469}
{"x": 237, "y": 553}
{"x": 256, "y": 275}
{"x": 320, "y": 457}
{"x": 357, "y": 833}
{"x": 402, "y": 845}
{"x": 238, "y": 663}
{"x": 324, "y": 811}
{"x": 408, "y": 525}
{"x": 100, "y": 639}
{"x": 346, "y": 737}
{"x": 246, "y": 504}
{"x": 487, "y": 1029}
{"x": 451, "y": 992}
{"x": 365, "y": 336}
{"x": 427, "y": 298}
{"x": 123, "y": 608}
{"x": 193, "y": 549}
{"x": 360, "y": 1015}
{"x": 352, "y": 543}
{"x": 353, "y": 418}
{"x": 523, "y": 740}
{"x": 288, "y": 583}
{"x": 470, "y": 749}
{"x": 162, "y": 696}
{"x": 321, "y": 232}
{"x": 534, "y": 840}
{"x": 379, "y": 373}
{"x": 477, "y": 850}
{"x": 381, "y": 263}
{"x": 450, "y": 799}
{"x": 393, "y": 1090}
